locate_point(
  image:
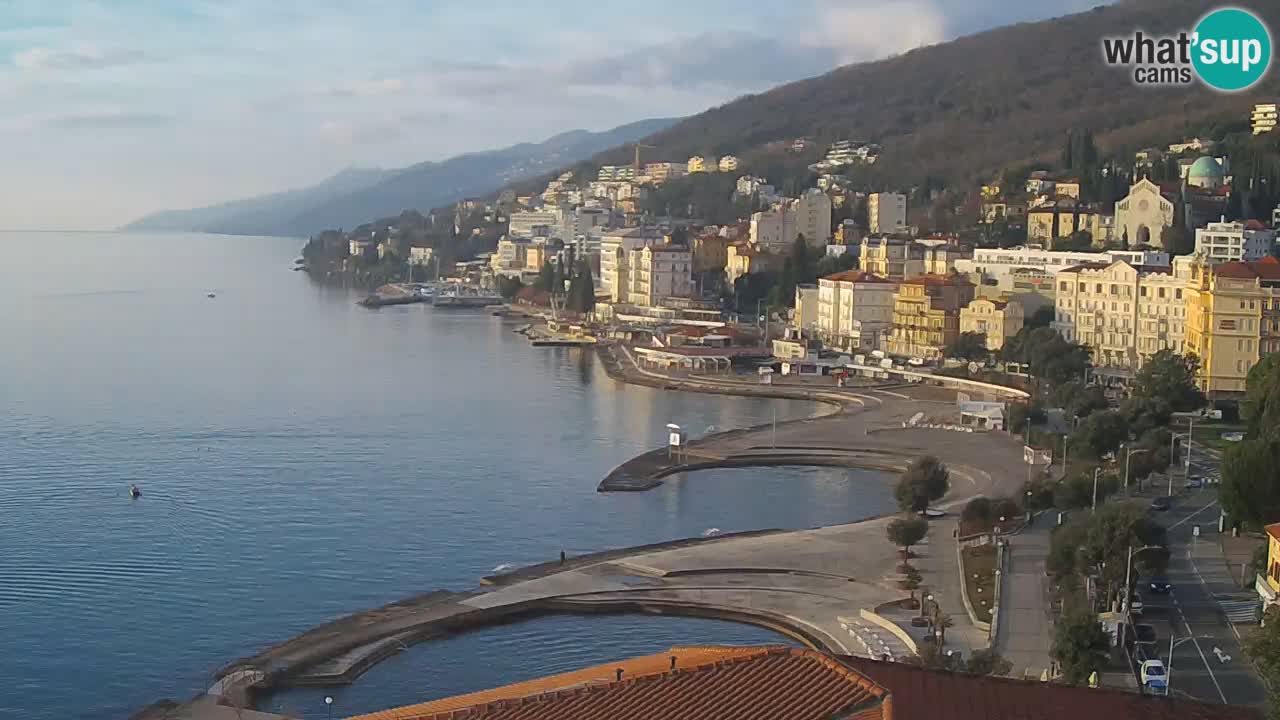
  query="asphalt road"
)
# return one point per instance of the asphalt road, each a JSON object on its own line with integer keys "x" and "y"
{"x": 1207, "y": 663}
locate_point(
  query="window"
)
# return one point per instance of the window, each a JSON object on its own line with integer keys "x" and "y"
{"x": 1241, "y": 304}
{"x": 1098, "y": 288}
{"x": 1226, "y": 324}
{"x": 1160, "y": 293}
{"x": 1142, "y": 291}
{"x": 1177, "y": 294}
{"x": 1062, "y": 286}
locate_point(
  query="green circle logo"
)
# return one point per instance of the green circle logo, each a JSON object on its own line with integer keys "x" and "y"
{"x": 1231, "y": 49}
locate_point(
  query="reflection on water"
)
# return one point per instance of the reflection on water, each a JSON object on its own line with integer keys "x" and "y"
{"x": 300, "y": 458}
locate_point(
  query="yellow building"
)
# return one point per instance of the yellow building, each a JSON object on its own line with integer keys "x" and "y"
{"x": 1268, "y": 585}
{"x": 534, "y": 257}
{"x": 1233, "y": 319}
{"x": 997, "y": 320}
{"x": 698, "y": 164}
{"x": 1069, "y": 188}
{"x": 926, "y": 315}
{"x": 996, "y": 210}
{"x": 710, "y": 252}
{"x": 742, "y": 258}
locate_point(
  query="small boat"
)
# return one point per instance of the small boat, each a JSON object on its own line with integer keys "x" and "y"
{"x": 134, "y": 492}
{"x": 211, "y": 295}
{"x": 710, "y": 532}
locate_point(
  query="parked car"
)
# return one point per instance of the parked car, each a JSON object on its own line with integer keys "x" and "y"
{"x": 1144, "y": 634}
{"x": 1161, "y": 504}
{"x": 1154, "y": 677}
{"x": 1195, "y": 482}
{"x": 916, "y": 362}
{"x": 1160, "y": 585}
{"x": 1135, "y": 604}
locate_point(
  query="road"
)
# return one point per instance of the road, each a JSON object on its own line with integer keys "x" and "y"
{"x": 1191, "y": 612}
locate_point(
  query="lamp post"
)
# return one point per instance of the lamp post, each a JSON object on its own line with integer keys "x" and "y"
{"x": 328, "y": 704}
{"x": 1128, "y": 454}
{"x": 1096, "y": 472}
{"x": 1128, "y": 575}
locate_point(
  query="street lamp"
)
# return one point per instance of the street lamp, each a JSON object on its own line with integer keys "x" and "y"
{"x": 1128, "y": 454}
{"x": 328, "y": 704}
{"x": 1096, "y": 472}
{"x": 1128, "y": 575}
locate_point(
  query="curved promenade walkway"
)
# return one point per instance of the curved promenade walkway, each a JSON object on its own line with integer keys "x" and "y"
{"x": 820, "y": 586}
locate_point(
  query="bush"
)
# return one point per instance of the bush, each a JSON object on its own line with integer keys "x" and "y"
{"x": 977, "y": 510}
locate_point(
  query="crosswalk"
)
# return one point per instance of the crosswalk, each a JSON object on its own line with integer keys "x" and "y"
{"x": 1242, "y": 611}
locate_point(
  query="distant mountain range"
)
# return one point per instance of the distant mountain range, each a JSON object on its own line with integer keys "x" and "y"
{"x": 357, "y": 196}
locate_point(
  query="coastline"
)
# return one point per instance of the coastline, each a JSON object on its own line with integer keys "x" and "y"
{"x": 339, "y": 651}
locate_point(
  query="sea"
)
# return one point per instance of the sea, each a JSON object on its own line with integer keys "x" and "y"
{"x": 300, "y": 458}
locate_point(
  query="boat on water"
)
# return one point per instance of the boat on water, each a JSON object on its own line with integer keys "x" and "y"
{"x": 134, "y": 492}
{"x": 211, "y": 295}
{"x": 459, "y": 297}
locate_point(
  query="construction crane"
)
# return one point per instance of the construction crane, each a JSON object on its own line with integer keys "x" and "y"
{"x": 637, "y": 162}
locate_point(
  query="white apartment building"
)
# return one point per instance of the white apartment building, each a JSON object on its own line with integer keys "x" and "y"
{"x": 855, "y": 310}
{"x": 997, "y": 263}
{"x": 658, "y": 272}
{"x": 510, "y": 256}
{"x": 887, "y": 212}
{"x": 1263, "y": 118}
{"x": 615, "y": 254}
{"x": 1234, "y": 241}
{"x": 420, "y": 255}
{"x": 532, "y": 223}
{"x": 749, "y": 185}
{"x": 616, "y": 173}
{"x": 776, "y": 229}
{"x": 661, "y": 172}
{"x": 1125, "y": 314}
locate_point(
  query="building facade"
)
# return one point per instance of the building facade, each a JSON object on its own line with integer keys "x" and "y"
{"x": 661, "y": 172}
{"x": 1143, "y": 214}
{"x": 1233, "y": 319}
{"x": 728, "y": 163}
{"x": 1234, "y": 241}
{"x": 742, "y": 258}
{"x": 698, "y": 164}
{"x": 1263, "y": 118}
{"x": 533, "y": 223}
{"x": 1124, "y": 313}
{"x": 855, "y": 310}
{"x": 809, "y": 215}
{"x": 887, "y": 212}
{"x": 926, "y": 315}
{"x": 658, "y": 272}
{"x": 615, "y": 251}
{"x": 996, "y": 320}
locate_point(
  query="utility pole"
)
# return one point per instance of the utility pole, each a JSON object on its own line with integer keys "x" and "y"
{"x": 1096, "y": 472}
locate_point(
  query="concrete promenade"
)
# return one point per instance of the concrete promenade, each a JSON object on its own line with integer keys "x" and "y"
{"x": 810, "y": 584}
{"x": 1025, "y": 635}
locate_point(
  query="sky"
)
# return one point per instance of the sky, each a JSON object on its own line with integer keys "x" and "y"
{"x": 116, "y": 108}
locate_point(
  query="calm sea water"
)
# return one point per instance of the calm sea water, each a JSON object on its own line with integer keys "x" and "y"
{"x": 300, "y": 458}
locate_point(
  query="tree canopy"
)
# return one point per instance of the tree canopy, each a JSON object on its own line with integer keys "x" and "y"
{"x": 970, "y": 346}
{"x": 905, "y": 532}
{"x": 1250, "y": 492}
{"x": 1171, "y": 378}
{"x": 1261, "y": 406}
{"x": 925, "y": 480}
{"x": 1049, "y": 355}
{"x": 1080, "y": 646}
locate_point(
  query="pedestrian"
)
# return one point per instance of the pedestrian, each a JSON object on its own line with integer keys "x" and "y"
{"x": 562, "y": 557}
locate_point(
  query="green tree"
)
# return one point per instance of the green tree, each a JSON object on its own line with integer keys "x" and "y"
{"x": 1250, "y": 492}
{"x": 1042, "y": 317}
{"x": 987, "y": 661}
{"x": 1080, "y": 646}
{"x": 925, "y": 480}
{"x": 832, "y": 264}
{"x": 1171, "y": 378}
{"x": 1100, "y": 433}
{"x": 1048, "y": 354}
{"x": 546, "y": 280}
{"x": 1261, "y": 406}
{"x": 509, "y": 286}
{"x": 905, "y": 532}
{"x": 1263, "y": 645}
{"x": 968, "y": 346}
{"x": 582, "y": 291}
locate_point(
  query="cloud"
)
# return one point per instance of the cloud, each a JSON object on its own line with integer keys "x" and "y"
{"x": 858, "y": 31}
{"x": 108, "y": 119}
{"x": 365, "y": 88}
{"x": 84, "y": 58}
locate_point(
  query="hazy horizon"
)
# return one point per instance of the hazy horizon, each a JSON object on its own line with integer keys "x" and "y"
{"x": 143, "y": 106}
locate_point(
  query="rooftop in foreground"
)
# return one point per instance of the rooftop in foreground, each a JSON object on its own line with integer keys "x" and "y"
{"x": 774, "y": 683}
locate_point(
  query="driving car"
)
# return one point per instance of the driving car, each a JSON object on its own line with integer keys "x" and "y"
{"x": 1154, "y": 676}
{"x": 1160, "y": 585}
{"x": 1161, "y": 504}
{"x": 1195, "y": 482}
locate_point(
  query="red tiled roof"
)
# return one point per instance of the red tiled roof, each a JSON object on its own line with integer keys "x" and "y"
{"x": 1253, "y": 224}
{"x": 1273, "y": 530}
{"x": 937, "y": 280}
{"x": 1264, "y": 269}
{"x": 916, "y": 694}
{"x": 739, "y": 683}
{"x": 855, "y": 276}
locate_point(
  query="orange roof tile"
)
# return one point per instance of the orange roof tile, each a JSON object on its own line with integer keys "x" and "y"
{"x": 918, "y": 694}
{"x": 1273, "y": 530}
{"x": 743, "y": 683}
{"x": 937, "y": 280}
{"x": 855, "y": 276}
